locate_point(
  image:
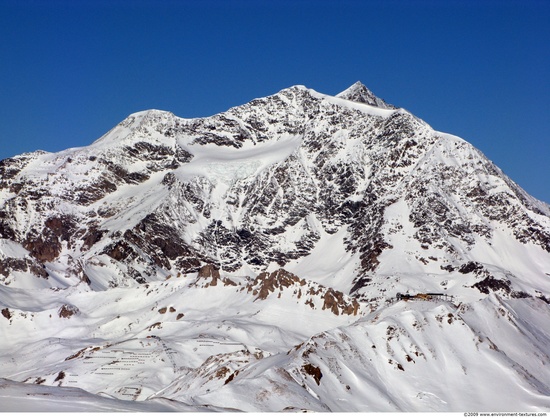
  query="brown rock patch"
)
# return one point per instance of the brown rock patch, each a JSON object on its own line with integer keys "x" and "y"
{"x": 313, "y": 371}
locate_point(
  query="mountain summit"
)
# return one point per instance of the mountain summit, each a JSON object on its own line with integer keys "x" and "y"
{"x": 358, "y": 92}
{"x": 314, "y": 247}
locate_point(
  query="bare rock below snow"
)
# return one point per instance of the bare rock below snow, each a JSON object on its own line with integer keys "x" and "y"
{"x": 66, "y": 311}
{"x": 266, "y": 283}
{"x": 208, "y": 271}
{"x": 314, "y": 295}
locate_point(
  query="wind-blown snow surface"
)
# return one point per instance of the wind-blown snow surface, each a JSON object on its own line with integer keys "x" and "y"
{"x": 251, "y": 261}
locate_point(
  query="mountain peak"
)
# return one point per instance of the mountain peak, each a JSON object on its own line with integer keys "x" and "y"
{"x": 358, "y": 92}
{"x": 358, "y": 85}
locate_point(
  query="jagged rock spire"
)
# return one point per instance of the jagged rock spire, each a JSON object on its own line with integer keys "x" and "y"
{"x": 358, "y": 92}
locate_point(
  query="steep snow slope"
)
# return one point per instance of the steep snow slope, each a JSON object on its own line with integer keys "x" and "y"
{"x": 148, "y": 264}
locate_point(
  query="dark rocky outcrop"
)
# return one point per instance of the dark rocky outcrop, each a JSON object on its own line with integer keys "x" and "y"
{"x": 490, "y": 284}
{"x": 66, "y": 311}
{"x": 314, "y": 372}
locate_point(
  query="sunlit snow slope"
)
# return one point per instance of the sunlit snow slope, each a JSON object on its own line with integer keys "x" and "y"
{"x": 298, "y": 252}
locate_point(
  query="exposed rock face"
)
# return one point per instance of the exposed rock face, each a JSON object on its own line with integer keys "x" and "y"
{"x": 359, "y": 93}
{"x": 314, "y": 372}
{"x": 66, "y": 311}
{"x": 279, "y": 279}
{"x": 208, "y": 271}
{"x": 312, "y": 294}
{"x": 6, "y": 313}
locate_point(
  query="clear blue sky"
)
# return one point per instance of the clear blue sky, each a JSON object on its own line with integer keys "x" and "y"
{"x": 72, "y": 69}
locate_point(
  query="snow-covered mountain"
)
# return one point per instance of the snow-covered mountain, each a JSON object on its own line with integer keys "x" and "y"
{"x": 253, "y": 260}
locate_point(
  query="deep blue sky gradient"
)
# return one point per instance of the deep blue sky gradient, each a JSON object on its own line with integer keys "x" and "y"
{"x": 72, "y": 69}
